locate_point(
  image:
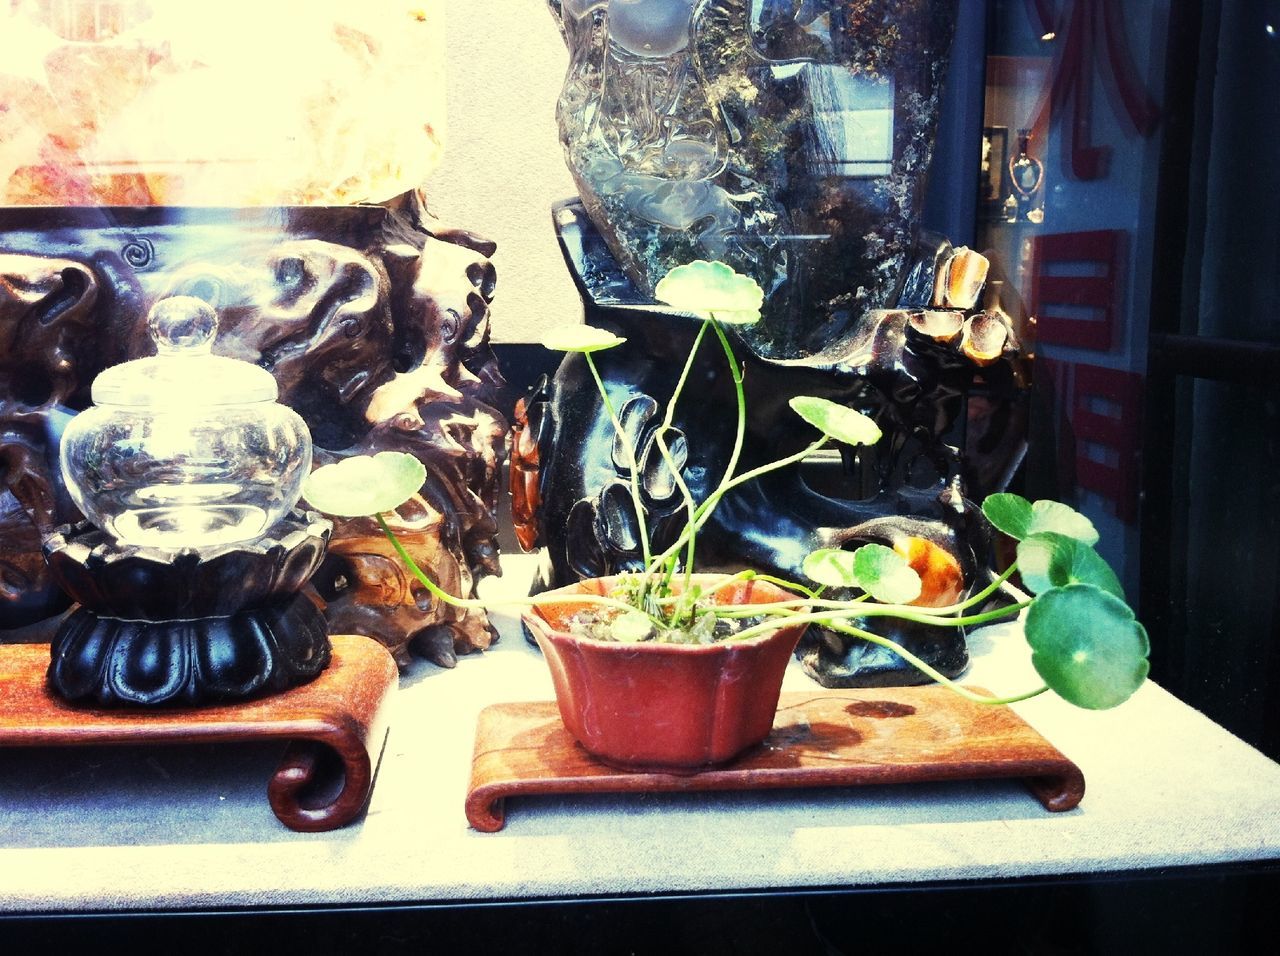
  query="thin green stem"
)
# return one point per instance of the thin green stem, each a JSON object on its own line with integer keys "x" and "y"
{"x": 688, "y": 538}
{"x": 707, "y": 507}
{"x": 667, "y": 422}
{"x": 932, "y": 615}
{"x": 735, "y": 370}
{"x": 641, "y": 525}
{"x": 597, "y": 600}
{"x": 932, "y": 672}
{"x": 986, "y": 592}
{"x": 782, "y": 607}
{"x": 845, "y": 610}
{"x": 915, "y": 614}
{"x": 787, "y": 585}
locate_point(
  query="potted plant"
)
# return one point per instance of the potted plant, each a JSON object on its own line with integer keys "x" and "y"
{"x": 665, "y": 669}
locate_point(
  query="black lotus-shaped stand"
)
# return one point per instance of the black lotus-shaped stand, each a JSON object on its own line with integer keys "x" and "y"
{"x": 157, "y": 627}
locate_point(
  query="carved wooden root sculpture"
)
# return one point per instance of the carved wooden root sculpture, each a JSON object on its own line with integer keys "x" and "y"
{"x": 439, "y": 411}
{"x": 374, "y": 323}
{"x": 46, "y": 328}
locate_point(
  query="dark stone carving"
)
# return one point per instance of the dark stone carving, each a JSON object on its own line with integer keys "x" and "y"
{"x": 159, "y": 627}
{"x": 374, "y": 321}
{"x": 949, "y": 391}
{"x": 792, "y": 142}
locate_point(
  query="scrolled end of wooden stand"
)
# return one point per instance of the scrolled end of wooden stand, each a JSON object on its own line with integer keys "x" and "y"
{"x": 487, "y": 809}
{"x": 317, "y": 788}
{"x": 1059, "y": 791}
{"x": 335, "y": 725}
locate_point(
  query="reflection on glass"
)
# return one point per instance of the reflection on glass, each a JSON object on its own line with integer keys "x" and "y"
{"x": 852, "y": 122}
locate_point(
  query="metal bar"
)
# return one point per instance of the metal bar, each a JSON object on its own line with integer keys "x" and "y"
{"x": 1224, "y": 360}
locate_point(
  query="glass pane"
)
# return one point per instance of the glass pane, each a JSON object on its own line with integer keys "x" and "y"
{"x": 1067, "y": 189}
{"x": 1224, "y": 564}
{"x": 1129, "y": 194}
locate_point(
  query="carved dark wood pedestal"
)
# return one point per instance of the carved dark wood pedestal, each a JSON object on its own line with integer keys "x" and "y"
{"x": 832, "y": 738}
{"x": 160, "y": 628}
{"x": 335, "y": 725}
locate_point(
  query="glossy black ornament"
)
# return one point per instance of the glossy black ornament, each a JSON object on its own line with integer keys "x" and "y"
{"x": 953, "y": 425}
{"x": 156, "y": 627}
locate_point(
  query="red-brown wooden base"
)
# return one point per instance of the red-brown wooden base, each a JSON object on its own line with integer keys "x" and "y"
{"x": 335, "y": 726}
{"x": 827, "y": 738}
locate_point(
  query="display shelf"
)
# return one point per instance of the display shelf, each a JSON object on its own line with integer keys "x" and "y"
{"x": 184, "y": 828}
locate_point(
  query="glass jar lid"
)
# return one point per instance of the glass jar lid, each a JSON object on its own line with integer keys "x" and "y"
{"x": 184, "y": 372}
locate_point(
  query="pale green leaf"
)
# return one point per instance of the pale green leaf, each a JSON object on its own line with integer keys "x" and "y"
{"x": 712, "y": 289}
{"x": 885, "y": 574}
{"x": 1057, "y": 518}
{"x": 831, "y": 567}
{"x": 1019, "y": 518}
{"x": 364, "y": 484}
{"x": 837, "y": 421}
{"x": 1049, "y": 560}
{"x": 580, "y": 338}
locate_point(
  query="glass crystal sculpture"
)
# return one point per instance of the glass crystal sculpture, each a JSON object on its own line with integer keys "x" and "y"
{"x": 787, "y": 138}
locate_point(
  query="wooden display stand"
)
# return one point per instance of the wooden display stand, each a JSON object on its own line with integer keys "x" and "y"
{"x": 335, "y": 726}
{"x": 825, "y": 738}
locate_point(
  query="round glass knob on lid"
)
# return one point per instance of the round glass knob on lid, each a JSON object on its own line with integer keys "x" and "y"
{"x": 183, "y": 323}
{"x": 185, "y": 449}
{"x": 184, "y": 369}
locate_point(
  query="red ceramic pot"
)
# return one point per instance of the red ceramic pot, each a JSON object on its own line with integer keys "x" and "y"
{"x": 666, "y": 707}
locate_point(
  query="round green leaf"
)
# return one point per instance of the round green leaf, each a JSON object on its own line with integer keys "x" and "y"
{"x": 1050, "y": 560}
{"x": 364, "y": 484}
{"x": 885, "y": 574}
{"x": 1087, "y": 646}
{"x": 831, "y": 567}
{"x": 580, "y": 338}
{"x": 1056, "y": 518}
{"x": 712, "y": 289}
{"x": 1008, "y": 513}
{"x": 1019, "y": 518}
{"x": 839, "y": 422}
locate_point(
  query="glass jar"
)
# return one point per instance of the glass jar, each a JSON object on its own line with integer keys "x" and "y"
{"x": 185, "y": 449}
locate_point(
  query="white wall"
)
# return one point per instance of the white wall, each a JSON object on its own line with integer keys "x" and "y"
{"x": 503, "y": 166}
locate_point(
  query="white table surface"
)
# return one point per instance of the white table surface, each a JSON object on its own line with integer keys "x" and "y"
{"x": 189, "y": 827}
